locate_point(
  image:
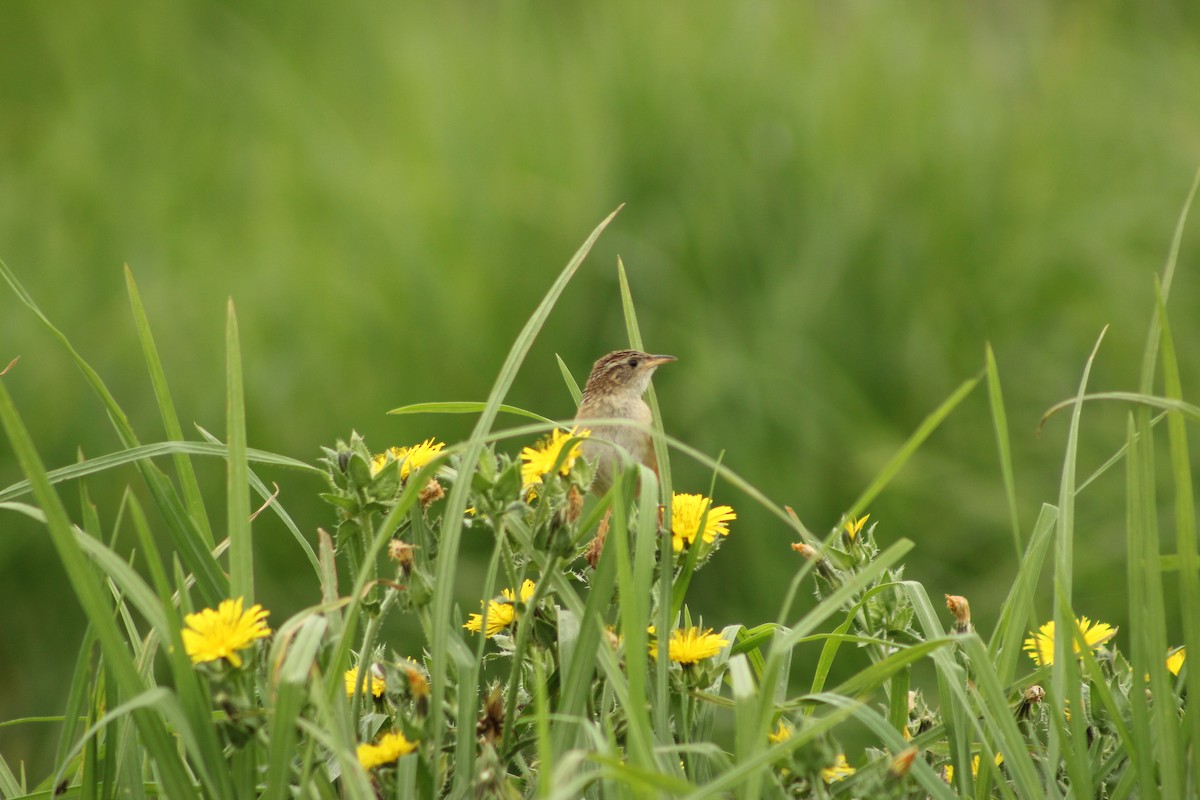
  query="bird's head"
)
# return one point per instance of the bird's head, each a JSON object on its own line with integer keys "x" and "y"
{"x": 624, "y": 372}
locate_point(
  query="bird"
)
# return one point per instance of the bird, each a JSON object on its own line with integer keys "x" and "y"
{"x": 614, "y": 390}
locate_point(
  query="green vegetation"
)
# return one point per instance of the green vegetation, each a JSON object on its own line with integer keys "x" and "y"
{"x": 541, "y": 692}
{"x": 830, "y": 211}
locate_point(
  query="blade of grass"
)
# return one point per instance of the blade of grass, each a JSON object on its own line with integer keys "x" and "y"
{"x": 921, "y": 771}
{"x": 635, "y": 341}
{"x": 923, "y": 431}
{"x": 634, "y": 610}
{"x": 1185, "y": 513}
{"x": 1150, "y": 354}
{"x": 1017, "y": 609}
{"x": 237, "y": 484}
{"x": 143, "y": 452}
{"x": 463, "y": 407}
{"x": 1003, "y": 445}
{"x": 183, "y": 529}
{"x": 166, "y": 407}
{"x": 276, "y": 508}
{"x": 193, "y": 698}
{"x": 1065, "y": 674}
{"x": 293, "y": 653}
{"x": 1143, "y": 605}
{"x": 1165, "y": 403}
{"x": 998, "y": 719}
{"x": 452, "y": 526}
{"x": 569, "y": 379}
{"x": 158, "y": 741}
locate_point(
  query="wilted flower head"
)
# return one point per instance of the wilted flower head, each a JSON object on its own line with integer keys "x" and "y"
{"x": 961, "y": 610}
{"x": 903, "y": 762}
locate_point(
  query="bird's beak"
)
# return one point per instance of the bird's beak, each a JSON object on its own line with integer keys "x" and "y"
{"x": 657, "y": 360}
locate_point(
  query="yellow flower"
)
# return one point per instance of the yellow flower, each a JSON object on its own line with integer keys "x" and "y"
{"x": 413, "y": 457}
{"x": 781, "y": 734}
{"x": 211, "y": 635}
{"x": 854, "y": 526}
{"x": 687, "y": 510}
{"x": 500, "y": 613}
{"x": 389, "y": 748}
{"x": 1175, "y": 660}
{"x": 840, "y": 769}
{"x": 378, "y": 684}
{"x": 540, "y": 460}
{"x": 687, "y": 646}
{"x": 948, "y": 770}
{"x": 1041, "y": 644}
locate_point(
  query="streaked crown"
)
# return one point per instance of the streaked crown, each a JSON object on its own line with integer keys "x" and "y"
{"x": 623, "y": 371}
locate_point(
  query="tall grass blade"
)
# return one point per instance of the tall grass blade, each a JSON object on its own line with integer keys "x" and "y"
{"x": 1003, "y": 445}
{"x": 1005, "y": 645}
{"x": 1142, "y": 606}
{"x": 452, "y": 527}
{"x": 906, "y": 451}
{"x": 160, "y": 743}
{"x": 1065, "y": 675}
{"x": 166, "y": 408}
{"x": 99, "y": 464}
{"x": 293, "y": 653}
{"x": 183, "y": 529}
{"x": 1150, "y": 355}
{"x": 569, "y": 379}
{"x": 1185, "y": 518}
{"x": 635, "y": 341}
{"x": 237, "y": 484}
{"x": 464, "y": 407}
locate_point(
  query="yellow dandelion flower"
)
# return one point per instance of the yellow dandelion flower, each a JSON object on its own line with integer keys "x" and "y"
{"x": 413, "y": 457}
{"x": 687, "y": 510}
{"x": 853, "y": 527}
{"x": 540, "y": 460}
{"x": 500, "y": 613}
{"x": 781, "y": 734}
{"x": 211, "y": 635}
{"x": 388, "y": 749}
{"x": 948, "y": 770}
{"x": 377, "y": 687}
{"x": 1175, "y": 660}
{"x": 840, "y": 769}
{"x": 1041, "y": 644}
{"x": 690, "y": 645}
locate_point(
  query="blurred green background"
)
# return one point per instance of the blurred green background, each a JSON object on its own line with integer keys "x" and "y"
{"x": 830, "y": 208}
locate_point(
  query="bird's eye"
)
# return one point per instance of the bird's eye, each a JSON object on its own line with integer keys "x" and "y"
{"x": 633, "y": 362}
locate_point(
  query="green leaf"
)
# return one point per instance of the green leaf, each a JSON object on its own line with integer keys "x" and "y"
{"x": 464, "y": 407}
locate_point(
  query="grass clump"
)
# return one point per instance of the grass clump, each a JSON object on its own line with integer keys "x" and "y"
{"x": 576, "y": 667}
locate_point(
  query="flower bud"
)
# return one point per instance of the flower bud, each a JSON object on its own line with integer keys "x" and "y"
{"x": 962, "y": 612}
{"x": 903, "y": 762}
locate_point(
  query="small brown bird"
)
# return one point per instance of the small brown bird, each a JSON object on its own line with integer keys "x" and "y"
{"x": 614, "y": 391}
